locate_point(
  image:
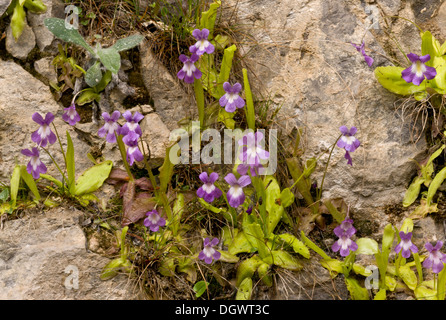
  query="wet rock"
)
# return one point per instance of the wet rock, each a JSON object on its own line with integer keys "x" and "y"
{"x": 43, "y": 256}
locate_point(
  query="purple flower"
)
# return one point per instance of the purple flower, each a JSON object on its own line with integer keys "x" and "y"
{"x": 209, "y": 192}
{"x": 71, "y": 116}
{"x": 208, "y": 253}
{"x": 154, "y": 221}
{"x": 251, "y": 153}
{"x": 110, "y": 127}
{"x": 348, "y": 142}
{"x": 202, "y": 45}
{"x": 189, "y": 70}
{"x": 35, "y": 166}
{"x": 132, "y": 123}
{"x": 231, "y": 99}
{"x": 406, "y": 245}
{"x": 361, "y": 49}
{"x": 44, "y": 134}
{"x": 436, "y": 258}
{"x": 344, "y": 244}
{"x": 133, "y": 152}
{"x": 235, "y": 194}
{"x": 418, "y": 70}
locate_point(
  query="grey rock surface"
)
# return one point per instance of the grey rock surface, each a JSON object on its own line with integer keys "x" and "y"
{"x": 170, "y": 101}
{"x": 301, "y": 57}
{"x": 43, "y": 256}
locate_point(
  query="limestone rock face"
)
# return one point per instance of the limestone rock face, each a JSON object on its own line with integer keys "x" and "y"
{"x": 21, "y": 95}
{"x": 25, "y": 43}
{"x": 44, "y": 257}
{"x": 170, "y": 101}
{"x": 301, "y": 56}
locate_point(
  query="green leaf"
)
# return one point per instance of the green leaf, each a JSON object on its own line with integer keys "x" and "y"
{"x": 249, "y": 108}
{"x": 407, "y": 225}
{"x": 110, "y": 58}
{"x": 424, "y": 293}
{"x": 111, "y": 269}
{"x": 358, "y": 269}
{"x": 413, "y": 191}
{"x": 275, "y": 211}
{"x": 286, "y": 197}
{"x": 187, "y": 266}
{"x": 199, "y": 97}
{"x": 390, "y": 78}
{"x": 408, "y": 276}
{"x": 380, "y": 295}
{"x": 200, "y": 288}
{"x": 167, "y": 267}
{"x": 429, "y": 45}
{"x": 30, "y": 182}
{"x": 225, "y": 68}
{"x": 52, "y": 179}
{"x": 264, "y": 275}
{"x": 313, "y": 246}
{"x": 228, "y": 257}
{"x": 177, "y": 211}
{"x": 14, "y": 185}
{"x": 356, "y": 291}
{"x": 255, "y": 236}
{"x": 88, "y": 96}
{"x": 4, "y": 195}
{"x": 18, "y": 21}
{"x": 367, "y": 246}
{"x": 284, "y": 260}
{"x": 240, "y": 244}
{"x": 339, "y": 217}
{"x": 428, "y": 169}
{"x": 441, "y": 285}
{"x": 128, "y": 42}
{"x": 166, "y": 172}
{"x": 333, "y": 266}
{"x": 244, "y": 291}
{"x": 93, "y": 178}
{"x": 391, "y": 283}
{"x": 106, "y": 78}
{"x": 247, "y": 268}
{"x": 423, "y": 209}
{"x": 35, "y": 6}
{"x": 297, "y": 245}
{"x": 208, "y": 18}
{"x": 210, "y": 207}
{"x": 94, "y": 74}
{"x": 70, "y": 164}
{"x": 227, "y": 118}
{"x": 439, "y": 63}
{"x": 57, "y": 27}
{"x": 435, "y": 184}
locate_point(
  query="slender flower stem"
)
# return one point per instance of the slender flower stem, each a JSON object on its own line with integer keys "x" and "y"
{"x": 60, "y": 144}
{"x": 319, "y": 193}
{"x": 55, "y": 163}
{"x": 123, "y": 156}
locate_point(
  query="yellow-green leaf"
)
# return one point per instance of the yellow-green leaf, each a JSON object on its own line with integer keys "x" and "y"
{"x": 93, "y": 178}
{"x": 408, "y": 276}
{"x": 244, "y": 291}
{"x": 356, "y": 291}
{"x": 297, "y": 245}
